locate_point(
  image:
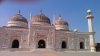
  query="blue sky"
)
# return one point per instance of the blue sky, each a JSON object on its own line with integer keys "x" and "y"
{"x": 73, "y": 11}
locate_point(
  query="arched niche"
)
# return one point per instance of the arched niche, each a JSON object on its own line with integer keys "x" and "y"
{"x": 81, "y": 45}
{"x": 63, "y": 45}
{"x": 41, "y": 44}
{"x": 15, "y": 44}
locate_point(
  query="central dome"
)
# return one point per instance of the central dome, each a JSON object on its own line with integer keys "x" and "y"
{"x": 40, "y": 19}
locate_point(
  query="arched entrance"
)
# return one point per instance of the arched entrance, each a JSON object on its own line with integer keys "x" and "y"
{"x": 15, "y": 44}
{"x": 81, "y": 45}
{"x": 63, "y": 44}
{"x": 41, "y": 44}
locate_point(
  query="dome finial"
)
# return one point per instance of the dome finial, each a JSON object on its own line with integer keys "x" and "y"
{"x": 18, "y": 12}
{"x": 60, "y": 17}
{"x": 41, "y": 11}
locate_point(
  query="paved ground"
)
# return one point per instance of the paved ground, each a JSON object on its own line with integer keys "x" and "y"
{"x": 41, "y": 52}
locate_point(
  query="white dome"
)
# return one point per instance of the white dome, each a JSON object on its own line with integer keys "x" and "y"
{"x": 75, "y": 30}
{"x": 89, "y": 11}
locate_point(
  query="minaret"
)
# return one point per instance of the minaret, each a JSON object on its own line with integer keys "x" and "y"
{"x": 29, "y": 29}
{"x": 30, "y": 17}
{"x": 54, "y": 18}
{"x": 91, "y": 30}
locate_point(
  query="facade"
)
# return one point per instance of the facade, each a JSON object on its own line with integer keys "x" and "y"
{"x": 41, "y": 33}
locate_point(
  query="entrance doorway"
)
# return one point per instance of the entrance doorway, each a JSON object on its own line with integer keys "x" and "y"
{"x": 63, "y": 44}
{"x": 81, "y": 45}
{"x": 41, "y": 44}
{"x": 15, "y": 44}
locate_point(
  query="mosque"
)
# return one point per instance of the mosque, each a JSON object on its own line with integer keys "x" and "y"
{"x": 42, "y": 34}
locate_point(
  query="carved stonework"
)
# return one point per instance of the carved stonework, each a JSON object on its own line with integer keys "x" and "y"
{"x": 29, "y": 38}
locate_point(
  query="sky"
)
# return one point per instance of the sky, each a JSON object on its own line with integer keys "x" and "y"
{"x": 73, "y": 11}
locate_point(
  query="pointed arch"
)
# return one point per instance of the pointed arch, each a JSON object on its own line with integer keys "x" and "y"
{"x": 15, "y": 44}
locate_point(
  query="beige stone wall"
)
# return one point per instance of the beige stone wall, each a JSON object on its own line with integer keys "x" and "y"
{"x": 8, "y": 35}
{"x": 72, "y": 39}
{"x": 46, "y": 33}
{"x": 53, "y": 38}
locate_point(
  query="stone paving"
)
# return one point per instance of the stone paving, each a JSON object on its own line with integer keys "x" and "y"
{"x": 44, "y": 52}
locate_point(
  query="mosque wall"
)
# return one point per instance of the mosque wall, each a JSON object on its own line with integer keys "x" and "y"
{"x": 45, "y": 33}
{"x": 85, "y": 39}
{"x": 72, "y": 39}
{"x": 53, "y": 38}
{"x": 4, "y": 38}
{"x": 8, "y": 35}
